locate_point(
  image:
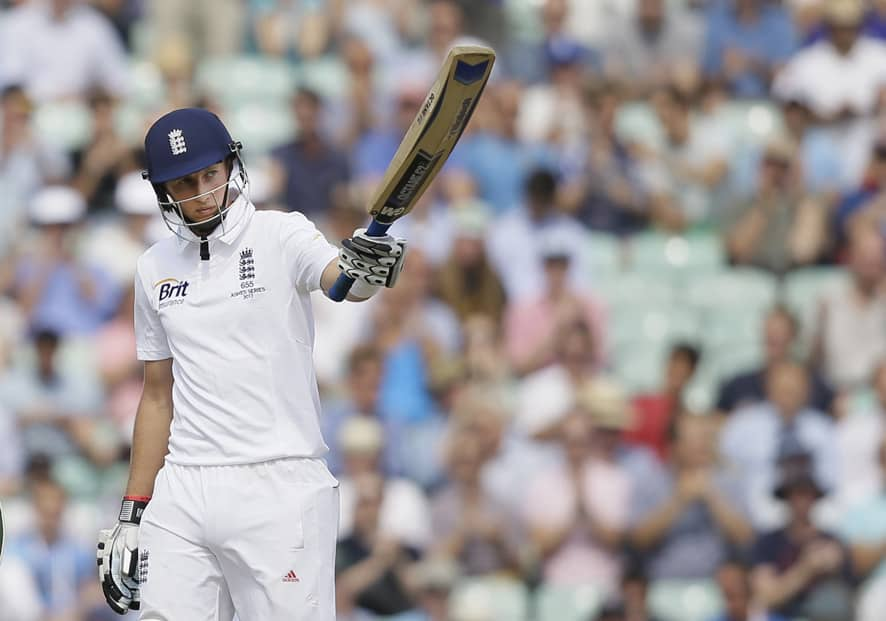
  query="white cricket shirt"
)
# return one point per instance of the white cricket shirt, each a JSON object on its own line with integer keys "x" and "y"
{"x": 240, "y": 331}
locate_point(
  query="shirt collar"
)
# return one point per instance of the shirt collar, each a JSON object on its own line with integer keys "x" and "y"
{"x": 240, "y": 214}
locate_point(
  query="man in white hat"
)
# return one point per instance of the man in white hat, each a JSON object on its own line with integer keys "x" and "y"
{"x": 57, "y": 288}
{"x": 119, "y": 242}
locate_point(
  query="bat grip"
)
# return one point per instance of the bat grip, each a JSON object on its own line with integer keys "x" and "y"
{"x": 342, "y": 285}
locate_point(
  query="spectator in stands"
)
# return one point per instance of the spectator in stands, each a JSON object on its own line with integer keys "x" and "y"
{"x": 635, "y": 593}
{"x": 53, "y": 286}
{"x": 468, "y": 525}
{"x": 12, "y": 459}
{"x": 547, "y": 395}
{"x": 26, "y": 162}
{"x": 61, "y": 49}
{"x": 839, "y": 77}
{"x": 204, "y": 28}
{"x": 358, "y": 105}
{"x": 864, "y": 206}
{"x": 646, "y": 50}
{"x": 405, "y": 513}
{"x": 781, "y": 227}
{"x": 493, "y": 154}
{"x": 433, "y": 580}
{"x": 780, "y": 332}
{"x": 466, "y": 282}
{"x": 859, "y": 435}
{"x": 820, "y": 167}
{"x": 528, "y": 61}
{"x": 118, "y": 242}
{"x": 414, "y": 331}
{"x": 576, "y": 512}
{"x": 363, "y": 381}
{"x": 800, "y": 570}
{"x": 484, "y": 357}
{"x": 533, "y": 325}
{"x": 873, "y": 25}
{"x": 370, "y": 565}
{"x": 551, "y": 111}
{"x": 686, "y": 176}
{"x": 18, "y": 592}
{"x": 602, "y": 186}
{"x": 851, "y": 326}
{"x": 784, "y": 420}
{"x": 290, "y": 29}
{"x": 735, "y": 589}
{"x": 63, "y": 569}
{"x": 310, "y": 170}
{"x": 107, "y": 157}
{"x": 121, "y": 374}
{"x": 375, "y": 146}
{"x": 863, "y": 527}
{"x": 656, "y": 413}
{"x": 747, "y": 42}
{"x": 526, "y": 227}
{"x": 688, "y": 518}
{"x": 57, "y": 408}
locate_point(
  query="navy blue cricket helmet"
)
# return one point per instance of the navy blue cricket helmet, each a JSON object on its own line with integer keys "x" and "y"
{"x": 184, "y": 141}
{"x": 181, "y": 143}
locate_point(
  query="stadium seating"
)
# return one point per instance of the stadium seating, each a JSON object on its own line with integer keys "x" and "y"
{"x": 261, "y": 126}
{"x": 736, "y": 288}
{"x": 677, "y": 257}
{"x": 246, "y": 78}
{"x": 674, "y": 600}
{"x": 604, "y": 253}
{"x": 64, "y": 124}
{"x": 562, "y": 603}
{"x": 489, "y": 599}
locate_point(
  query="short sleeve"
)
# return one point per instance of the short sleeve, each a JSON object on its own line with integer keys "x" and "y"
{"x": 306, "y": 251}
{"x": 150, "y": 337}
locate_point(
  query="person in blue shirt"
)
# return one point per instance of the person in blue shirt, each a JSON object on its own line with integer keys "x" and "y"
{"x": 747, "y": 41}
{"x": 55, "y": 287}
{"x": 311, "y": 168}
{"x": 62, "y": 568}
{"x": 495, "y": 157}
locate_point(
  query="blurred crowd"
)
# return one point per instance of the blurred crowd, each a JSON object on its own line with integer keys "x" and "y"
{"x": 634, "y": 368}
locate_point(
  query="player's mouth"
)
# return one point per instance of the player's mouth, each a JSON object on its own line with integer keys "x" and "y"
{"x": 207, "y": 211}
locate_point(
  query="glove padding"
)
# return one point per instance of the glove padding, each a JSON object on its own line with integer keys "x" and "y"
{"x": 376, "y": 261}
{"x": 117, "y": 557}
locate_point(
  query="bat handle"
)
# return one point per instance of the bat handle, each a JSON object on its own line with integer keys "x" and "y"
{"x": 342, "y": 285}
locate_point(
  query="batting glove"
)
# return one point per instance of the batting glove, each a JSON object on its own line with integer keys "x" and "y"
{"x": 117, "y": 557}
{"x": 375, "y": 261}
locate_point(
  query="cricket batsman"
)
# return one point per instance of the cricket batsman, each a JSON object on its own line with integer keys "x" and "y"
{"x": 229, "y": 506}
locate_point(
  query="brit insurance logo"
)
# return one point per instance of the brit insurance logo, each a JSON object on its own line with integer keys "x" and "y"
{"x": 172, "y": 291}
{"x": 246, "y": 276}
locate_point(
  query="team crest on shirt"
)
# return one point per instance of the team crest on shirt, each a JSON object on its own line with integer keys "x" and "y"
{"x": 246, "y": 276}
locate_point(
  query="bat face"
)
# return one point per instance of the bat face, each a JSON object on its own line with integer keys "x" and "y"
{"x": 434, "y": 132}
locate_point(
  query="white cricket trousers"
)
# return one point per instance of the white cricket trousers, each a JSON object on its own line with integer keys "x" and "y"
{"x": 257, "y": 539}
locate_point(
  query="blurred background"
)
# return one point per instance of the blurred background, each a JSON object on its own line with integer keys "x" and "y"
{"x": 635, "y": 367}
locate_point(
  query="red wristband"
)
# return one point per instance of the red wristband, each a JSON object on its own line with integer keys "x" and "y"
{"x": 131, "y": 509}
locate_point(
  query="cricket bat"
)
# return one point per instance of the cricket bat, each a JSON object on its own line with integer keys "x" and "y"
{"x": 426, "y": 147}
